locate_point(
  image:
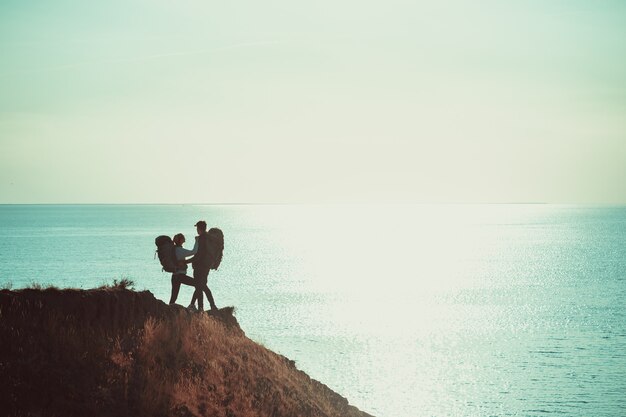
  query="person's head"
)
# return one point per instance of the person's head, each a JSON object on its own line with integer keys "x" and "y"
{"x": 201, "y": 227}
{"x": 179, "y": 239}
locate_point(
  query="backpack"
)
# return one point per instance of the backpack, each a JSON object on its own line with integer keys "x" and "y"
{"x": 216, "y": 246}
{"x": 167, "y": 253}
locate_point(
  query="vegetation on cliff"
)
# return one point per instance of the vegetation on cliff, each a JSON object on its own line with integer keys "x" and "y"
{"x": 116, "y": 352}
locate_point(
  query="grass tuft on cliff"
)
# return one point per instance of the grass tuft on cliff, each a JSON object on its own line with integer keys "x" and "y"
{"x": 112, "y": 351}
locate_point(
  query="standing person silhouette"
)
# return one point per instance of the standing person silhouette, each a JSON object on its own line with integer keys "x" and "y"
{"x": 201, "y": 264}
{"x": 180, "y": 275}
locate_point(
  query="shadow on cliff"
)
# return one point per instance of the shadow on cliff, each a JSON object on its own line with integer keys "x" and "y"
{"x": 117, "y": 352}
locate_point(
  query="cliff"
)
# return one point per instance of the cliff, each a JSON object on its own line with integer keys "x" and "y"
{"x": 116, "y": 352}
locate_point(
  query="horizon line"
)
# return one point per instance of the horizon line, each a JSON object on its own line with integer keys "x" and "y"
{"x": 333, "y": 203}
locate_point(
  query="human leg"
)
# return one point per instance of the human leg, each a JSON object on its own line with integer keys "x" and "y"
{"x": 208, "y": 293}
{"x": 177, "y": 280}
{"x": 200, "y": 276}
{"x": 175, "y": 289}
{"x": 194, "y": 298}
{"x": 209, "y": 296}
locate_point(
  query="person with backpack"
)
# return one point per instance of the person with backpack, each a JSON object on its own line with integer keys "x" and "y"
{"x": 180, "y": 274}
{"x": 202, "y": 263}
{"x": 216, "y": 251}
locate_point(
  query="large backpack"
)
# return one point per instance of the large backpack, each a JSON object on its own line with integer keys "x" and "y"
{"x": 216, "y": 246}
{"x": 167, "y": 253}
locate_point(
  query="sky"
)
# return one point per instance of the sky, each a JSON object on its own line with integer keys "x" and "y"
{"x": 195, "y": 101}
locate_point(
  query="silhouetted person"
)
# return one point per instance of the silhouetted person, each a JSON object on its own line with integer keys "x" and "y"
{"x": 216, "y": 248}
{"x": 201, "y": 263}
{"x": 180, "y": 276}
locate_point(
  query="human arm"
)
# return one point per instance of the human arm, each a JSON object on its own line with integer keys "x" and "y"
{"x": 183, "y": 253}
{"x": 198, "y": 248}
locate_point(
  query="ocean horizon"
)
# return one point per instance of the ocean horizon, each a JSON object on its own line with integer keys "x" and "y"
{"x": 404, "y": 309}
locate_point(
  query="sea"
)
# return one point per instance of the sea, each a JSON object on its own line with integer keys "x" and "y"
{"x": 405, "y": 310}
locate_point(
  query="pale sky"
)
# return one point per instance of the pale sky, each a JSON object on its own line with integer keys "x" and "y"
{"x": 195, "y": 101}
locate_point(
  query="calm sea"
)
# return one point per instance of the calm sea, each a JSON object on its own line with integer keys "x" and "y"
{"x": 406, "y": 310}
